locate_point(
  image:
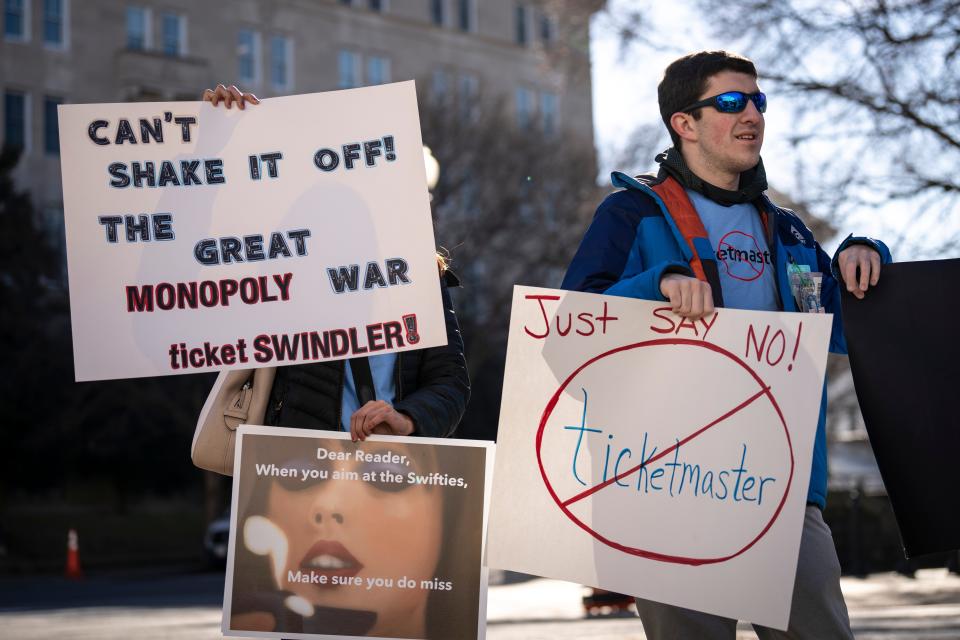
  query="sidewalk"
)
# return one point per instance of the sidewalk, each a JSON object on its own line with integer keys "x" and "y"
{"x": 884, "y": 606}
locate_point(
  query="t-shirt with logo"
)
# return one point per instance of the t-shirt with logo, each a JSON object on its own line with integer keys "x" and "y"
{"x": 743, "y": 257}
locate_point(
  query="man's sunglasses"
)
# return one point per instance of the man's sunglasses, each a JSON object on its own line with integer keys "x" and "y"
{"x": 730, "y": 102}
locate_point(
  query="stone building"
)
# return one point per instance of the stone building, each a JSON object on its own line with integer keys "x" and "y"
{"x": 531, "y": 54}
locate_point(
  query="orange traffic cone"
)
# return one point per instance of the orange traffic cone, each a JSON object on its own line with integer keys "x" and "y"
{"x": 73, "y": 556}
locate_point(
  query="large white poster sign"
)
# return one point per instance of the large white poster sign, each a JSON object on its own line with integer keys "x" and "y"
{"x": 202, "y": 238}
{"x": 656, "y": 456}
{"x": 338, "y": 539}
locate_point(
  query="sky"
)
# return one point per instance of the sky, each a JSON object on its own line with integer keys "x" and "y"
{"x": 624, "y": 98}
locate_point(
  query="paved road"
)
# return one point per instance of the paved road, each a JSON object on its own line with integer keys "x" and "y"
{"x": 884, "y": 607}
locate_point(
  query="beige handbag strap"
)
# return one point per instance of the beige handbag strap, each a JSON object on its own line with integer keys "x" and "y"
{"x": 259, "y": 395}
{"x": 238, "y": 397}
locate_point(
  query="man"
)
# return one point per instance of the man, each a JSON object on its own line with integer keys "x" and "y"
{"x": 703, "y": 234}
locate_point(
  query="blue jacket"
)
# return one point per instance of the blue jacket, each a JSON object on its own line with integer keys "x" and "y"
{"x": 633, "y": 241}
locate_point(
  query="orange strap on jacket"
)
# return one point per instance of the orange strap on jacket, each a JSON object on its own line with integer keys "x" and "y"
{"x": 686, "y": 218}
{"x": 688, "y": 222}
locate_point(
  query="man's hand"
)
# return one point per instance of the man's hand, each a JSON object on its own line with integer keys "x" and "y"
{"x": 229, "y": 96}
{"x": 689, "y": 297}
{"x": 864, "y": 258}
{"x": 378, "y": 416}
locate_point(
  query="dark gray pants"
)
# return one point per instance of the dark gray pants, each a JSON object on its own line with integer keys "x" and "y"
{"x": 817, "y": 612}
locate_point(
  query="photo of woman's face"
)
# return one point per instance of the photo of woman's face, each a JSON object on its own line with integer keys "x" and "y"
{"x": 346, "y": 530}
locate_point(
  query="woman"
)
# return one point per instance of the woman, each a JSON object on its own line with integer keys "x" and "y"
{"x": 362, "y": 555}
{"x": 416, "y": 392}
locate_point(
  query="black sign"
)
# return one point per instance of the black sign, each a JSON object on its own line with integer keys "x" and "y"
{"x": 905, "y": 356}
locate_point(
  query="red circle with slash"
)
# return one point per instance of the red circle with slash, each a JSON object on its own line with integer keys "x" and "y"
{"x": 647, "y": 553}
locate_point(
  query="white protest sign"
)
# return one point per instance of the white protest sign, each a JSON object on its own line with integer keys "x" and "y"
{"x": 202, "y": 238}
{"x": 663, "y": 458}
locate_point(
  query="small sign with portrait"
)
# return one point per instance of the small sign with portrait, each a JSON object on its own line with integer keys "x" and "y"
{"x": 332, "y": 538}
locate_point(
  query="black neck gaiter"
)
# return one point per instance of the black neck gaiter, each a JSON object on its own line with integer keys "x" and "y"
{"x": 753, "y": 181}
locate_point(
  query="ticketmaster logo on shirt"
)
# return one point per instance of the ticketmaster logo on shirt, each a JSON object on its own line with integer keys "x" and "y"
{"x": 741, "y": 255}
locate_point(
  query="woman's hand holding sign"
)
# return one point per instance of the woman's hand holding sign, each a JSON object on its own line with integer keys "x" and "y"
{"x": 229, "y": 96}
{"x": 379, "y": 417}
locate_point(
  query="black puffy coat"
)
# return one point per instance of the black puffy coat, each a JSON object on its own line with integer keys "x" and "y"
{"x": 432, "y": 385}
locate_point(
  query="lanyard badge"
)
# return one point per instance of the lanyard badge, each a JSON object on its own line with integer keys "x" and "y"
{"x": 805, "y": 285}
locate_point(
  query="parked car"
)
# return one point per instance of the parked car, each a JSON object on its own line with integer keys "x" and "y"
{"x": 217, "y": 539}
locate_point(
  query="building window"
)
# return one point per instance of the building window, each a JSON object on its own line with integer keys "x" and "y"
{"x": 378, "y": 70}
{"x": 525, "y": 107}
{"x": 521, "y": 25}
{"x": 281, "y": 63}
{"x": 468, "y": 96}
{"x": 16, "y": 20}
{"x": 138, "y": 29}
{"x": 465, "y": 15}
{"x": 439, "y": 85}
{"x": 248, "y": 56}
{"x": 546, "y": 29}
{"x": 173, "y": 34}
{"x": 377, "y": 5}
{"x": 52, "y": 220}
{"x": 548, "y": 112}
{"x": 51, "y": 129}
{"x": 349, "y": 69}
{"x": 436, "y": 12}
{"x": 55, "y": 23}
{"x": 15, "y": 114}
{"x": 346, "y": 3}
